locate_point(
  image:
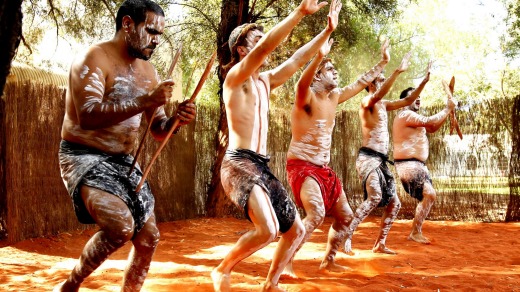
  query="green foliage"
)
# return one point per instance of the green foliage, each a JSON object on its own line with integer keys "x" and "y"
{"x": 512, "y": 40}
{"x": 356, "y": 40}
{"x": 470, "y": 50}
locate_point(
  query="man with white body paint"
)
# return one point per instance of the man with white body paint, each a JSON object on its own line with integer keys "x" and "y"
{"x": 376, "y": 179}
{"x": 245, "y": 175}
{"x": 316, "y": 187}
{"x": 110, "y": 87}
{"x": 410, "y": 154}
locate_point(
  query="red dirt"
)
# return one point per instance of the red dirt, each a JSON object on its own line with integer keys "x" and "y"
{"x": 462, "y": 257}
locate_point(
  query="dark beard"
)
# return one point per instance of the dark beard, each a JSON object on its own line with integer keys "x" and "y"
{"x": 137, "y": 53}
{"x": 134, "y": 48}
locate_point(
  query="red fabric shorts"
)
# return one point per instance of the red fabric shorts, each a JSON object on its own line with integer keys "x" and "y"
{"x": 329, "y": 182}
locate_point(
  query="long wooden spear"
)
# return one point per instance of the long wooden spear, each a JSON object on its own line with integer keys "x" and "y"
{"x": 168, "y": 76}
{"x": 177, "y": 121}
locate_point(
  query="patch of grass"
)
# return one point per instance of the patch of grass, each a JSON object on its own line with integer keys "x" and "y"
{"x": 486, "y": 185}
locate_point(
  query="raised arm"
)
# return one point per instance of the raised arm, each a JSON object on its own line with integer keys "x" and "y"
{"x": 383, "y": 90}
{"x": 396, "y": 104}
{"x": 303, "y": 87}
{"x": 87, "y": 83}
{"x": 280, "y": 74}
{"x": 351, "y": 90}
{"x": 256, "y": 57}
{"x": 431, "y": 123}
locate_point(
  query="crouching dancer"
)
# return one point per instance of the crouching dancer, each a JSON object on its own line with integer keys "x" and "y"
{"x": 377, "y": 181}
{"x": 410, "y": 154}
{"x": 110, "y": 87}
{"x": 315, "y": 185}
{"x": 245, "y": 175}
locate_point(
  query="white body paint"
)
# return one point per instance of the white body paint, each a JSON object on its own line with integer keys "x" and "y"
{"x": 314, "y": 145}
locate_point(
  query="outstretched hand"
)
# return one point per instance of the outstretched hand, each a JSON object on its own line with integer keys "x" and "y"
{"x": 450, "y": 104}
{"x": 385, "y": 51}
{"x": 325, "y": 49}
{"x": 405, "y": 63}
{"x": 428, "y": 69}
{"x": 311, "y": 6}
{"x": 333, "y": 15}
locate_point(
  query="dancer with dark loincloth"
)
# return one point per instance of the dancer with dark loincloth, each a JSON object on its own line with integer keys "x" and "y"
{"x": 377, "y": 181}
{"x": 110, "y": 87}
{"x": 245, "y": 176}
{"x": 410, "y": 154}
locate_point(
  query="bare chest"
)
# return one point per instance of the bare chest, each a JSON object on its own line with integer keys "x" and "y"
{"x": 127, "y": 83}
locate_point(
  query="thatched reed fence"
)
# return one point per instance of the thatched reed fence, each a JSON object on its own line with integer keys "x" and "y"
{"x": 471, "y": 178}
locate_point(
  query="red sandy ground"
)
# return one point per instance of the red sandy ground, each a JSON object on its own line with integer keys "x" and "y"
{"x": 462, "y": 257}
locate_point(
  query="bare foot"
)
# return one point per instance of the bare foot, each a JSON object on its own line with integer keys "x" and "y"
{"x": 348, "y": 248}
{"x": 288, "y": 272}
{"x": 331, "y": 266}
{"x": 221, "y": 281}
{"x": 418, "y": 237}
{"x": 66, "y": 286}
{"x": 272, "y": 287}
{"x": 381, "y": 248}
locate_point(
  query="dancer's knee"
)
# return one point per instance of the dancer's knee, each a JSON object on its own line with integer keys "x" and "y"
{"x": 314, "y": 219}
{"x": 296, "y": 232}
{"x": 429, "y": 195}
{"x": 120, "y": 229}
{"x": 267, "y": 233}
{"x": 147, "y": 239}
{"x": 374, "y": 199}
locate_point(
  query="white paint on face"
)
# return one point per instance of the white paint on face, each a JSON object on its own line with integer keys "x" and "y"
{"x": 415, "y": 105}
{"x": 379, "y": 136}
{"x": 326, "y": 80}
{"x": 314, "y": 146}
{"x": 143, "y": 38}
{"x": 379, "y": 81}
{"x": 252, "y": 38}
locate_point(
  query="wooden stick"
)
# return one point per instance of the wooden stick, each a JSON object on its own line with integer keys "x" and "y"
{"x": 177, "y": 121}
{"x": 168, "y": 76}
{"x": 454, "y": 123}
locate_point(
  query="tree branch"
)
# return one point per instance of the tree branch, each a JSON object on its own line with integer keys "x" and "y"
{"x": 256, "y": 15}
{"x": 109, "y": 9}
{"x": 54, "y": 18}
{"x": 213, "y": 26}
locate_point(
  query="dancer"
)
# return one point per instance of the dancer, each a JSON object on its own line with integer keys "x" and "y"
{"x": 410, "y": 154}
{"x": 245, "y": 176}
{"x": 315, "y": 186}
{"x": 110, "y": 87}
{"x": 377, "y": 180}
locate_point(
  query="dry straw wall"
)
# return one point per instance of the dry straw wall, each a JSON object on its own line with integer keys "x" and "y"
{"x": 33, "y": 200}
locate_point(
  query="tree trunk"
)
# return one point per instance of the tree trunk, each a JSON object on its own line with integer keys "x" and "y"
{"x": 10, "y": 35}
{"x": 233, "y": 13}
{"x": 513, "y": 208}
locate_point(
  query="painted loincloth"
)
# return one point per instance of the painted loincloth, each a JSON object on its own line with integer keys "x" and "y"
{"x": 329, "y": 182}
{"x": 369, "y": 160}
{"x": 241, "y": 170}
{"x": 81, "y": 165}
{"x": 413, "y": 174}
